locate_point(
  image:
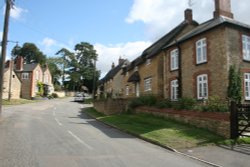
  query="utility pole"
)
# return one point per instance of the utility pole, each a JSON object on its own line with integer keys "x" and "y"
{"x": 9, "y": 4}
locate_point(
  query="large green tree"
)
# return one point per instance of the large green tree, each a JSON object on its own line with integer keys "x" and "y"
{"x": 80, "y": 66}
{"x": 32, "y": 54}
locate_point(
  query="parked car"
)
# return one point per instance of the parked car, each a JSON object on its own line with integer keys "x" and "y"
{"x": 79, "y": 98}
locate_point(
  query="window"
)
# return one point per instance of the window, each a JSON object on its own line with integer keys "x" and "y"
{"x": 247, "y": 86}
{"x": 201, "y": 51}
{"x": 174, "y": 59}
{"x": 148, "y": 61}
{"x": 202, "y": 86}
{"x": 147, "y": 84}
{"x": 174, "y": 90}
{"x": 46, "y": 78}
{"x": 37, "y": 75}
{"x": 246, "y": 47}
{"x": 136, "y": 69}
{"x": 25, "y": 75}
{"x": 127, "y": 90}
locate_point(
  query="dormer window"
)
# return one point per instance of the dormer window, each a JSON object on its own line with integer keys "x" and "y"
{"x": 148, "y": 61}
{"x": 136, "y": 68}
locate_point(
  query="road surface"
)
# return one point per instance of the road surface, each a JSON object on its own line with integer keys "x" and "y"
{"x": 55, "y": 133}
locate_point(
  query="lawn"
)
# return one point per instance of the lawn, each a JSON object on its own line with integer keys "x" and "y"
{"x": 160, "y": 130}
{"x": 17, "y": 101}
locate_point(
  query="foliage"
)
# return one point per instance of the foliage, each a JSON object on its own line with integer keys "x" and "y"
{"x": 148, "y": 100}
{"x": 31, "y": 54}
{"x": 40, "y": 89}
{"x": 215, "y": 104}
{"x": 165, "y": 103}
{"x": 184, "y": 104}
{"x": 55, "y": 71}
{"x": 234, "y": 86}
{"x": 54, "y": 95}
{"x": 79, "y": 66}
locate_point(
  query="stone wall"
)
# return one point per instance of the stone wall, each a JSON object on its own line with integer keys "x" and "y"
{"x": 218, "y": 123}
{"x": 110, "y": 106}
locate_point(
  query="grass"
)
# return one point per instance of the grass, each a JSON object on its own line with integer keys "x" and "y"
{"x": 17, "y": 101}
{"x": 160, "y": 130}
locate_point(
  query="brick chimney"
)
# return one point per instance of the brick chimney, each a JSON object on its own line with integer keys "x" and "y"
{"x": 113, "y": 65}
{"x": 19, "y": 63}
{"x": 223, "y": 8}
{"x": 188, "y": 15}
{"x": 120, "y": 61}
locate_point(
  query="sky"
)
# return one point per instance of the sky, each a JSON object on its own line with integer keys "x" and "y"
{"x": 116, "y": 28}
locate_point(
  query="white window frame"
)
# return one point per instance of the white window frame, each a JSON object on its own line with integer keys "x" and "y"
{"x": 148, "y": 84}
{"x": 136, "y": 68}
{"x": 25, "y": 75}
{"x": 202, "y": 86}
{"x": 148, "y": 61}
{"x": 127, "y": 90}
{"x": 247, "y": 86}
{"x": 174, "y": 59}
{"x": 246, "y": 47}
{"x": 201, "y": 51}
{"x": 37, "y": 75}
{"x": 174, "y": 90}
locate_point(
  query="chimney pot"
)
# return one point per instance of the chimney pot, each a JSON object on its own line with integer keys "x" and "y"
{"x": 188, "y": 14}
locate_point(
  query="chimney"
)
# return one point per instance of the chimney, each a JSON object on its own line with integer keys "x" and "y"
{"x": 120, "y": 61}
{"x": 19, "y": 63}
{"x": 223, "y": 8}
{"x": 188, "y": 14}
{"x": 113, "y": 65}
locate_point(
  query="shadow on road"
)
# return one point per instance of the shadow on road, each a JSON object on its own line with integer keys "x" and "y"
{"x": 107, "y": 130}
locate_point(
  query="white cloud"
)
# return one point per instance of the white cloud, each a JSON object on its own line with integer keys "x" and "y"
{"x": 17, "y": 12}
{"x": 111, "y": 53}
{"x": 160, "y": 16}
{"x": 48, "y": 42}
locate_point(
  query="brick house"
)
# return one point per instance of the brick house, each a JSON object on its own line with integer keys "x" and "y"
{"x": 144, "y": 75}
{"x": 197, "y": 63}
{"x": 30, "y": 75}
{"x": 112, "y": 83}
{"x": 11, "y": 82}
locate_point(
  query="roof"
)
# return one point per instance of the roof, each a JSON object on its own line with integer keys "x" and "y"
{"x": 156, "y": 47}
{"x": 135, "y": 77}
{"x": 210, "y": 24}
{"x": 29, "y": 67}
{"x": 170, "y": 36}
{"x": 112, "y": 72}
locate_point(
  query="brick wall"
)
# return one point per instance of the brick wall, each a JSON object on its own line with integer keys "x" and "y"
{"x": 110, "y": 106}
{"x": 218, "y": 123}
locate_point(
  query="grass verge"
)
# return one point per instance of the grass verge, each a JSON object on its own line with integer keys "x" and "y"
{"x": 17, "y": 101}
{"x": 160, "y": 130}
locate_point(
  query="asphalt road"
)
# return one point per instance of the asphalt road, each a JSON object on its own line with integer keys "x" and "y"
{"x": 55, "y": 133}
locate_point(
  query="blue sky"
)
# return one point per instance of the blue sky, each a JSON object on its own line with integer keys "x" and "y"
{"x": 117, "y": 28}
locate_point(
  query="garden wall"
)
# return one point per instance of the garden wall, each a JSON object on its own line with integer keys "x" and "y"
{"x": 216, "y": 122}
{"x": 110, "y": 106}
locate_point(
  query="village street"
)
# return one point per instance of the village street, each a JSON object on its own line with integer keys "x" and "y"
{"x": 55, "y": 133}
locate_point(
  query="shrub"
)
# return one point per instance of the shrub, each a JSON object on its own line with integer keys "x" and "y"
{"x": 215, "y": 104}
{"x": 148, "y": 100}
{"x": 166, "y": 103}
{"x": 184, "y": 104}
{"x": 54, "y": 95}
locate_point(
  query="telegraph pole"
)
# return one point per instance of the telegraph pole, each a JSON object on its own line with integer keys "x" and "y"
{"x": 9, "y": 4}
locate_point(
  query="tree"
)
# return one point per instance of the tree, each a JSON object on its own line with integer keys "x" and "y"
{"x": 234, "y": 86}
{"x": 55, "y": 71}
{"x": 32, "y": 54}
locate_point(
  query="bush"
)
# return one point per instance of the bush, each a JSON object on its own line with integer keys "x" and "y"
{"x": 166, "y": 103}
{"x": 142, "y": 101}
{"x": 215, "y": 104}
{"x": 54, "y": 95}
{"x": 184, "y": 104}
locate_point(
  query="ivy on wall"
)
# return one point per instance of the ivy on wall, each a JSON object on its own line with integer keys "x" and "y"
{"x": 234, "y": 90}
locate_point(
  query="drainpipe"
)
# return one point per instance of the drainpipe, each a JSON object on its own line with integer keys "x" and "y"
{"x": 179, "y": 70}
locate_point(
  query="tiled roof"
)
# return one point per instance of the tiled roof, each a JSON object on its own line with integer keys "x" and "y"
{"x": 29, "y": 67}
{"x": 112, "y": 72}
{"x": 135, "y": 77}
{"x": 208, "y": 26}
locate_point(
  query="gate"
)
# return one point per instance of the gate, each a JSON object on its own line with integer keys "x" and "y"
{"x": 240, "y": 120}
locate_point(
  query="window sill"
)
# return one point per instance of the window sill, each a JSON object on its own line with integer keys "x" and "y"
{"x": 198, "y": 64}
{"x": 173, "y": 70}
{"x": 245, "y": 60}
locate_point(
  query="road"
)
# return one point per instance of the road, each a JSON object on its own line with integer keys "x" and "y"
{"x": 55, "y": 133}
